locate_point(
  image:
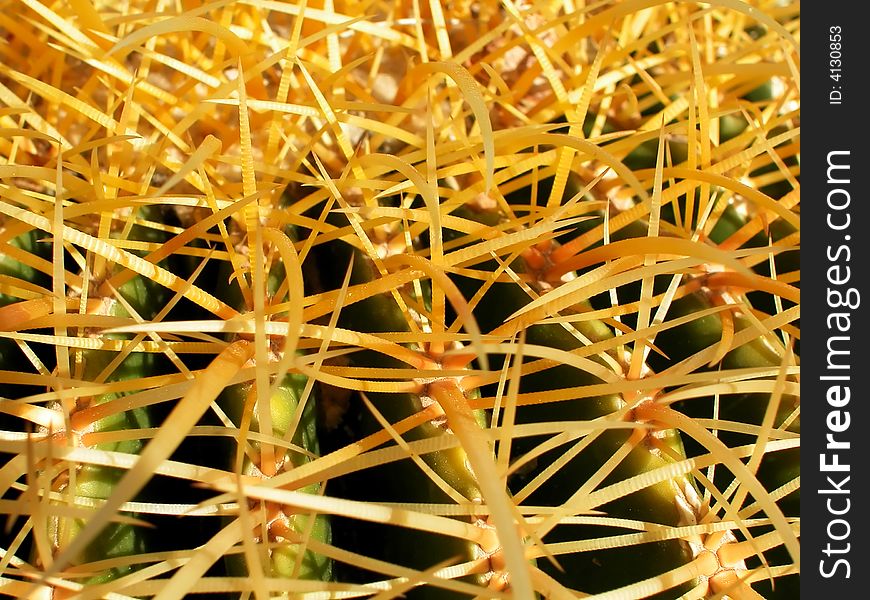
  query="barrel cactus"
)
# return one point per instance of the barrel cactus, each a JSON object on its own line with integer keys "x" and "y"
{"x": 447, "y": 299}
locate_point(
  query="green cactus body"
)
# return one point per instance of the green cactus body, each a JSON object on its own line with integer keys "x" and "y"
{"x": 288, "y": 554}
{"x": 401, "y": 481}
{"x": 15, "y": 273}
{"x": 145, "y": 297}
{"x": 775, "y": 469}
{"x": 601, "y": 570}
{"x": 285, "y": 527}
{"x": 98, "y": 482}
{"x": 682, "y": 342}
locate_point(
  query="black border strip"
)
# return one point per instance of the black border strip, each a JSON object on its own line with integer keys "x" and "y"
{"x": 835, "y": 265}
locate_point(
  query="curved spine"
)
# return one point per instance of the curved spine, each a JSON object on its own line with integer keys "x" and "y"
{"x": 401, "y": 481}
{"x": 282, "y": 531}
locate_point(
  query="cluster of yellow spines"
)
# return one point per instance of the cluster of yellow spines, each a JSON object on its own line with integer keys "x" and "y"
{"x": 327, "y": 299}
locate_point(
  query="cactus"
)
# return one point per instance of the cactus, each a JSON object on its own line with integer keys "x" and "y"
{"x": 291, "y": 419}
{"x": 436, "y": 300}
